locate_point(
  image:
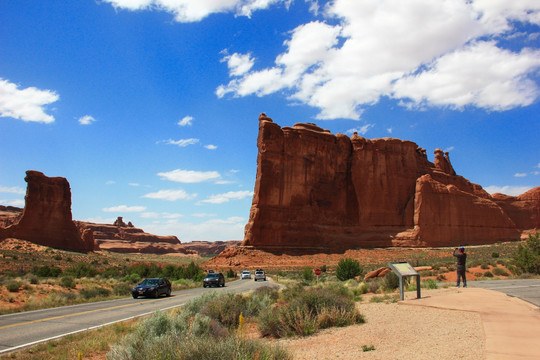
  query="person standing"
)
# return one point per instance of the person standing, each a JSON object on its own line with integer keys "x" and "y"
{"x": 461, "y": 268}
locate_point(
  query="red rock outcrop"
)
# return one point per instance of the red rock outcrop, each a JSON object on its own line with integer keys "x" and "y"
{"x": 316, "y": 190}
{"x": 125, "y": 238}
{"x": 46, "y": 218}
{"x": 210, "y": 247}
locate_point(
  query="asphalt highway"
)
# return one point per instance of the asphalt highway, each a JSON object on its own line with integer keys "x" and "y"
{"x": 20, "y": 330}
{"x": 526, "y": 289}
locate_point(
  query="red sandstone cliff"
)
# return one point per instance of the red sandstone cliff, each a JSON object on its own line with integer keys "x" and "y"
{"x": 46, "y": 218}
{"x": 318, "y": 190}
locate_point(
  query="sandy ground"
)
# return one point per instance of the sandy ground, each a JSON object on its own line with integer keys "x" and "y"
{"x": 397, "y": 331}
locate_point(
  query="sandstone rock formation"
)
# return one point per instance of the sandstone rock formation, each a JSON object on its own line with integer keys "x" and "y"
{"x": 316, "y": 190}
{"x": 125, "y": 238}
{"x": 46, "y": 218}
{"x": 210, "y": 247}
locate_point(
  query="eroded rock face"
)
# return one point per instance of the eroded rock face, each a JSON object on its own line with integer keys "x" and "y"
{"x": 210, "y": 247}
{"x": 318, "y": 190}
{"x": 46, "y": 218}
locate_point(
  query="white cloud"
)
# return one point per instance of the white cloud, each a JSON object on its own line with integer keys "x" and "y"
{"x": 189, "y": 176}
{"x": 186, "y": 120}
{"x": 125, "y": 208}
{"x": 520, "y": 174}
{"x": 164, "y": 215}
{"x": 508, "y": 190}
{"x": 195, "y": 10}
{"x": 100, "y": 220}
{"x": 377, "y": 48}
{"x": 12, "y": 190}
{"x": 25, "y": 104}
{"x": 201, "y": 215}
{"x": 226, "y": 197}
{"x": 361, "y": 130}
{"x": 182, "y": 142}
{"x": 16, "y": 202}
{"x": 211, "y": 147}
{"x": 211, "y": 230}
{"x": 86, "y": 120}
{"x": 170, "y": 195}
{"x": 389, "y": 130}
{"x": 448, "y": 149}
{"x": 238, "y": 64}
{"x": 110, "y": 182}
{"x": 134, "y": 184}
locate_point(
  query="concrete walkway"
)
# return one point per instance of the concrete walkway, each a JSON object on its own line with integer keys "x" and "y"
{"x": 511, "y": 325}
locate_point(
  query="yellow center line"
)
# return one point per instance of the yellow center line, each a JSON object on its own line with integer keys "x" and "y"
{"x": 80, "y": 313}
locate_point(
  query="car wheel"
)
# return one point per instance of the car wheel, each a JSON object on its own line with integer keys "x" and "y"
{"x": 135, "y": 296}
{"x": 204, "y": 286}
{"x": 156, "y": 294}
{"x": 168, "y": 292}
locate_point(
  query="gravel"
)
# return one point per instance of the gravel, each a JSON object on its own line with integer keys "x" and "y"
{"x": 397, "y": 331}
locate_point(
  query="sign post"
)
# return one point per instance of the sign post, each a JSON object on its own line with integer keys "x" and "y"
{"x": 317, "y": 272}
{"x": 403, "y": 269}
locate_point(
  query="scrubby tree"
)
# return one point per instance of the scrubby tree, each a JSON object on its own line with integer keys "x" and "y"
{"x": 527, "y": 256}
{"x": 348, "y": 268}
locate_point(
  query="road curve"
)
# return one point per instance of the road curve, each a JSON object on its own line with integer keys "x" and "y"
{"x": 20, "y": 330}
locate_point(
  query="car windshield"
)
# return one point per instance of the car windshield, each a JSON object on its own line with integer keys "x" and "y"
{"x": 212, "y": 276}
{"x": 149, "y": 282}
{"x": 245, "y": 272}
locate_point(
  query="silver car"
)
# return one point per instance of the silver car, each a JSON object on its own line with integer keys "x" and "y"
{"x": 245, "y": 275}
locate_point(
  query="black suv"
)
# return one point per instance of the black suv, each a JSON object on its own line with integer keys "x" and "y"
{"x": 214, "y": 279}
{"x": 152, "y": 287}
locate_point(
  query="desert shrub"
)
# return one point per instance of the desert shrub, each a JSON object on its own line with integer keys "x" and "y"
{"x": 418, "y": 259}
{"x": 132, "y": 278}
{"x": 307, "y": 311}
{"x": 390, "y": 281}
{"x": 348, "y": 268}
{"x": 363, "y": 288}
{"x": 226, "y": 309}
{"x": 67, "y": 282}
{"x": 499, "y": 272}
{"x": 157, "y": 337}
{"x": 441, "y": 277}
{"x": 307, "y": 274}
{"x": 231, "y": 274}
{"x": 122, "y": 289}
{"x": 81, "y": 269}
{"x": 429, "y": 284}
{"x": 57, "y": 257}
{"x": 527, "y": 255}
{"x": 111, "y": 272}
{"x": 95, "y": 292}
{"x": 323, "y": 268}
{"x": 48, "y": 271}
{"x": 33, "y": 279}
{"x": 13, "y": 286}
{"x": 484, "y": 267}
{"x": 192, "y": 271}
{"x": 495, "y": 254}
{"x": 488, "y": 274}
{"x": 374, "y": 285}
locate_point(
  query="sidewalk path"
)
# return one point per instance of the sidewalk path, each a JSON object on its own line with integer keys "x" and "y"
{"x": 511, "y": 325}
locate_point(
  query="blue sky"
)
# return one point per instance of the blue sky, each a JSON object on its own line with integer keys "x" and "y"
{"x": 149, "y": 107}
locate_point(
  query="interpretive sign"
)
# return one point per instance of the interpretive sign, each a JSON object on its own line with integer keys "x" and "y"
{"x": 404, "y": 269}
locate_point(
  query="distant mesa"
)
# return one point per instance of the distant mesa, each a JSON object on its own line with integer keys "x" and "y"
{"x": 316, "y": 190}
{"x": 47, "y": 220}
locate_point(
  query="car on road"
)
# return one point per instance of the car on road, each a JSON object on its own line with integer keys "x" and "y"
{"x": 214, "y": 279}
{"x": 260, "y": 275}
{"x": 152, "y": 287}
{"x": 246, "y": 275}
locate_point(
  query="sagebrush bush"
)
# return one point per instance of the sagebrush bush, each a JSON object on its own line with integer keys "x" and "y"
{"x": 122, "y": 289}
{"x": 67, "y": 282}
{"x": 307, "y": 274}
{"x": 390, "y": 281}
{"x": 95, "y": 292}
{"x": 488, "y": 274}
{"x": 499, "y": 272}
{"x": 527, "y": 255}
{"x": 13, "y": 286}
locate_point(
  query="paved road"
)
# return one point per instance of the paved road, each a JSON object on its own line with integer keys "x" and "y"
{"x": 526, "y": 289}
{"x": 21, "y": 330}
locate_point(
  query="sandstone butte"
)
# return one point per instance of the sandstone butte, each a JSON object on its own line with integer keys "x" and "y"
{"x": 47, "y": 220}
{"x": 316, "y": 190}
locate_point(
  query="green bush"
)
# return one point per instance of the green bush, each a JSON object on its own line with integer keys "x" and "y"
{"x": 499, "y": 272}
{"x": 484, "y": 267}
{"x": 122, "y": 289}
{"x": 527, "y": 256}
{"x": 307, "y": 274}
{"x": 348, "y": 268}
{"x": 429, "y": 284}
{"x": 390, "y": 281}
{"x": 488, "y": 274}
{"x": 81, "y": 270}
{"x": 495, "y": 254}
{"x": 226, "y": 309}
{"x": 187, "y": 337}
{"x": 48, "y": 271}
{"x": 231, "y": 274}
{"x": 67, "y": 282}
{"x": 95, "y": 292}
{"x": 13, "y": 286}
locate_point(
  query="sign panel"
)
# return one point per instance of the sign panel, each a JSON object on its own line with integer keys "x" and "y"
{"x": 403, "y": 268}
{"x": 317, "y": 272}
